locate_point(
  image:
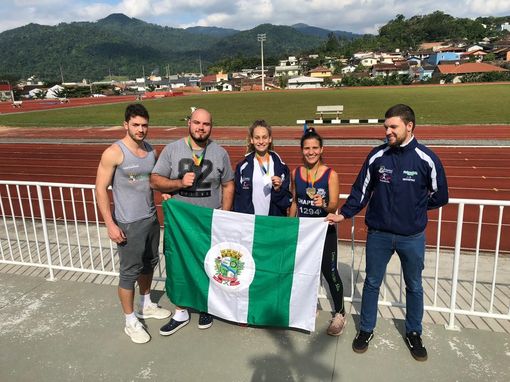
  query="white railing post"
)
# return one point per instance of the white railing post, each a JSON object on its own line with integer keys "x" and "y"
{"x": 45, "y": 232}
{"x": 456, "y": 261}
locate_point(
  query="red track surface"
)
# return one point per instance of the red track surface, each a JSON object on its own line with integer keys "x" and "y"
{"x": 46, "y": 104}
{"x": 473, "y": 172}
{"x": 467, "y": 132}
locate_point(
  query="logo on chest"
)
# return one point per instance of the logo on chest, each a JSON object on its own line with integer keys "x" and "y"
{"x": 385, "y": 174}
{"x": 409, "y": 176}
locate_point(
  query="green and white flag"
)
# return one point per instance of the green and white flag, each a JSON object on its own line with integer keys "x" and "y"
{"x": 259, "y": 270}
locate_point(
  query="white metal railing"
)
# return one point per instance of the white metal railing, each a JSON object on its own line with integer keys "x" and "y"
{"x": 57, "y": 226}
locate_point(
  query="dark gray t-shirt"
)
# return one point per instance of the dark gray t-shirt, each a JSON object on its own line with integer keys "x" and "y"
{"x": 176, "y": 159}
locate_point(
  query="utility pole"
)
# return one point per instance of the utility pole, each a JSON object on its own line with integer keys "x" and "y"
{"x": 262, "y": 37}
{"x": 61, "y": 74}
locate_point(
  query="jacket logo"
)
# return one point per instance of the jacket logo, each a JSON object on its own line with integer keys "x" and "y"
{"x": 409, "y": 176}
{"x": 385, "y": 174}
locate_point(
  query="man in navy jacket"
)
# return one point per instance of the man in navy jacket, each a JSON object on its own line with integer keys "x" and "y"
{"x": 400, "y": 180}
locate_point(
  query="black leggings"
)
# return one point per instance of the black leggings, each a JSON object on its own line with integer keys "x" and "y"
{"x": 330, "y": 271}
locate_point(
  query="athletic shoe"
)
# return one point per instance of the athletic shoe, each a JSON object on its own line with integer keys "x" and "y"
{"x": 205, "y": 320}
{"x": 137, "y": 332}
{"x": 415, "y": 345}
{"x": 360, "y": 343}
{"x": 152, "y": 311}
{"x": 337, "y": 325}
{"x": 172, "y": 327}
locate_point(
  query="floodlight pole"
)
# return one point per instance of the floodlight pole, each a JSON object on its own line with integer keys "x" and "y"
{"x": 262, "y": 37}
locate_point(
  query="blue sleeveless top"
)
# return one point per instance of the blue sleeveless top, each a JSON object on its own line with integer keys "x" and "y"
{"x": 305, "y": 207}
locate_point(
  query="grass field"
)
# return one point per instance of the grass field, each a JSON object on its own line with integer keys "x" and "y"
{"x": 467, "y": 104}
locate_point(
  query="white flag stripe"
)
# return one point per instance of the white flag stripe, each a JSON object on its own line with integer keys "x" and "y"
{"x": 231, "y": 305}
{"x": 305, "y": 285}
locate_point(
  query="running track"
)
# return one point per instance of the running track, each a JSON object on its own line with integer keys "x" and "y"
{"x": 473, "y": 172}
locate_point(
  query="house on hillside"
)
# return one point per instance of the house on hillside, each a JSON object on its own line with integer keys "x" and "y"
{"x": 422, "y": 55}
{"x": 502, "y": 53}
{"x": 389, "y": 57}
{"x": 368, "y": 61}
{"x": 347, "y": 69}
{"x": 320, "y": 72}
{"x": 425, "y": 72}
{"x": 414, "y": 60}
{"x": 432, "y": 46}
{"x": 287, "y": 70}
{"x": 458, "y": 70}
{"x": 474, "y": 48}
{"x": 436, "y": 57}
{"x": 208, "y": 83}
{"x": 397, "y": 68}
{"x": 475, "y": 55}
{"x": 216, "y": 82}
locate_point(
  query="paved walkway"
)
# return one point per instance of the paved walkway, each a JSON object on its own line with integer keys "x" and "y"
{"x": 73, "y": 331}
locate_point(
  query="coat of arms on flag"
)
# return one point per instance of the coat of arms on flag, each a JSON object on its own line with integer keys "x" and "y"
{"x": 230, "y": 265}
{"x": 259, "y": 270}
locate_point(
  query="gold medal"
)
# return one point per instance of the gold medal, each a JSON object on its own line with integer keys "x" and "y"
{"x": 310, "y": 191}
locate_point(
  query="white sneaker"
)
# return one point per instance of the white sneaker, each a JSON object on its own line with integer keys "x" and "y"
{"x": 137, "y": 332}
{"x": 152, "y": 311}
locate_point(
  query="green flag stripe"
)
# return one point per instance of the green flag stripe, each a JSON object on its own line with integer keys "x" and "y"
{"x": 274, "y": 253}
{"x": 187, "y": 237}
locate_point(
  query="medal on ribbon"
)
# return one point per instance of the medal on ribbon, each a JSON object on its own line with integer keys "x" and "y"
{"x": 263, "y": 162}
{"x": 196, "y": 168}
{"x": 310, "y": 190}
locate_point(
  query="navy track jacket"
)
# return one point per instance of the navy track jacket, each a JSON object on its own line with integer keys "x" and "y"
{"x": 280, "y": 200}
{"x": 399, "y": 184}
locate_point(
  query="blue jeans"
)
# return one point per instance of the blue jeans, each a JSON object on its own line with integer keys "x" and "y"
{"x": 411, "y": 251}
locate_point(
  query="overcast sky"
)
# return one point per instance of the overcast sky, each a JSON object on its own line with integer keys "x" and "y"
{"x": 360, "y": 16}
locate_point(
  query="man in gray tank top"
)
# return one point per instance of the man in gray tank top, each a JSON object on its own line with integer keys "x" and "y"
{"x": 126, "y": 166}
{"x": 195, "y": 170}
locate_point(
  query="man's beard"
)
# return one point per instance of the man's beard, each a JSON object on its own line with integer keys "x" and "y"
{"x": 200, "y": 139}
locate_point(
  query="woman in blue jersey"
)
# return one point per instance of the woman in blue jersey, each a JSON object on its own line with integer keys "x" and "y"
{"x": 315, "y": 192}
{"x": 262, "y": 179}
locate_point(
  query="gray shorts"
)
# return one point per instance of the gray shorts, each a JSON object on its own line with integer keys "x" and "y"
{"x": 139, "y": 254}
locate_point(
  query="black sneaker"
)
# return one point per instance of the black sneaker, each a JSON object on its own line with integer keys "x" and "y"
{"x": 360, "y": 342}
{"x": 172, "y": 327}
{"x": 415, "y": 345}
{"x": 205, "y": 320}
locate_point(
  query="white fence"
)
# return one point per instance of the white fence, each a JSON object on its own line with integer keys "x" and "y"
{"x": 56, "y": 226}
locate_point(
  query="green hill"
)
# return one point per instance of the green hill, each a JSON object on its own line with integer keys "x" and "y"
{"x": 121, "y": 45}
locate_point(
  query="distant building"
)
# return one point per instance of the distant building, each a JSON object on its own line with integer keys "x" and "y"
{"x": 54, "y": 91}
{"x": 304, "y": 82}
{"x": 425, "y": 72}
{"x": 287, "y": 70}
{"x": 320, "y": 72}
{"x": 458, "y": 70}
{"x": 347, "y": 69}
{"x": 436, "y": 57}
{"x": 5, "y": 93}
{"x": 433, "y": 46}
{"x": 505, "y": 26}
{"x": 398, "y": 68}
{"x": 369, "y": 61}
